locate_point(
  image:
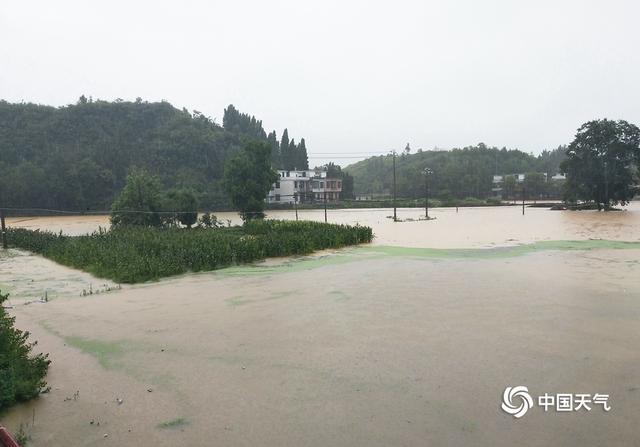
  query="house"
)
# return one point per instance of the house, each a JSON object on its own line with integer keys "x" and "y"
{"x": 306, "y": 186}
{"x": 498, "y": 181}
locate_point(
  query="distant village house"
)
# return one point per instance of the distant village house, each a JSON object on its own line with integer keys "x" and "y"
{"x": 309, "y": 186}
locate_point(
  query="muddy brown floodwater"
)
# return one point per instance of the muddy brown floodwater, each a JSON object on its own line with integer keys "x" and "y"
{"x": 408, "y": 341}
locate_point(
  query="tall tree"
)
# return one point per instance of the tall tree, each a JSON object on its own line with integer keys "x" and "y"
{"x": 509, "y": 186}
{"x": 303, "y": 158}
{"x": 285, "y": 152}
{"x": 602, "y": 163}
{"x": 185, "y": 204}
{"x": 347, "y": 186}
{"x": 248, "y": 177}
{"x": 139, "y": 202}
{"x": 293, "y": 156}
{"x": 272, "y": 139}
{"x": 534, "y": 184}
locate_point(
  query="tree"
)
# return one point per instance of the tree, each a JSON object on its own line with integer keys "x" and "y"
{"x": 347, "y": 186}
{"x": 272, "y": 139}
{"x": 533, "y": 184}
{"x": 509, "y": 186}
{"x": 248, "y": 177}
{"x": 185, "y": 203}
{"x": 139, "y": 201}
{"x": 602, "y": 163}
{"x": 285, "y": 152}
{"x": 21, "y": 375}
{"x": 303, "y": 158}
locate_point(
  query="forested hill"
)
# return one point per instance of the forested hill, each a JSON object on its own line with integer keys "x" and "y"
{"x": 77, "y": 157}
{"x": 459, "y": 173}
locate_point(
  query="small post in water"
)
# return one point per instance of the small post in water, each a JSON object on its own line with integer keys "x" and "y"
{"x": 523, "y": 200}
{"x": 325, "y": 204}
{"x": 395, "y": 217}
{"x": 4, "y": 229}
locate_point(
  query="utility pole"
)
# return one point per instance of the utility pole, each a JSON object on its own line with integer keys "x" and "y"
{"x": 606, "y": 187}
{"x": 523, "y": 199}
{"x": 426, "y": 195}
{"x": 325, "y": 203}
{"x": 395, "y": 216}
{"x": 295, "y": 204}
{"x": 426, "y": 172}
{"x": 4, "y": 229}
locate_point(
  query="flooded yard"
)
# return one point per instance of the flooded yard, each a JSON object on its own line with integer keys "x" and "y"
{"x": 408, "y": 341}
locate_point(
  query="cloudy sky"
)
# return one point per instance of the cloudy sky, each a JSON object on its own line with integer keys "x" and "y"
{"x": 349, "y": 76}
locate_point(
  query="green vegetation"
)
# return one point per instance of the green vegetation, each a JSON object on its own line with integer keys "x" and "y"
{"x": 21, "y": 375}
{"x": 22, "y": 437}
{"x": 175, "y": 423}
{"x": 137, "y": 254}
{"x": 107, "y": 353}
{"x": 457, "y": 173}
{"x": 77, "y": 157}
{"x": 142, "y": 202}
{"x": 602, "y": 163}
{"x": 248, "y": 177}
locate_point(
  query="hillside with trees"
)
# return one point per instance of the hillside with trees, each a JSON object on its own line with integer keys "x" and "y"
{"x": 285, "y": 153}
{"x": 456, "y": 173}
{"x": 77, "y": 157}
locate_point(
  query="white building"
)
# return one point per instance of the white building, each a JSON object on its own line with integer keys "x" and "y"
{"x": 304, "y": 187}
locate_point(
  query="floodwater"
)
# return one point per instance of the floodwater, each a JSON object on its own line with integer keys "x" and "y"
{"x": 408, "y": 341}
{"x": 466, "y": 228}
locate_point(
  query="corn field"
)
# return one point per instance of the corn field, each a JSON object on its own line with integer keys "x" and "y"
{"x": 138, "y": 254}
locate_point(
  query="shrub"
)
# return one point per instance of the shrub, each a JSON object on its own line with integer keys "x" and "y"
{"x": 21, "y": 375}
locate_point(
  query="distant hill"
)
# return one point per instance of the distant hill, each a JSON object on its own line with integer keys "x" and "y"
{"x": 77, "y": 157}
{"x": 458, "y": 173}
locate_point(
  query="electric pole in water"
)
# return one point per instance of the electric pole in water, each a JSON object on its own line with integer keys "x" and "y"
{"x": 606, "y": 187}
{"x": 325, "y": 203}
{"x": 4, "y": 229}
{"x": 426, "y": 172}
{"x": 395, "y": 217}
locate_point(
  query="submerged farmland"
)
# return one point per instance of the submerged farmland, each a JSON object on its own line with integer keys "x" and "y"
{"x": 133, "y": 254}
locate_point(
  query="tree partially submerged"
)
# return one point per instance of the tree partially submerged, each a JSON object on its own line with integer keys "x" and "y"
{"x": 248, "y": 177}
{"x": 185, "y": 204}
{"x": 142, "y": 202}
{"x": 21, "y": 374}
{"x": 602, "y": 163}
{"x": 139, "y": 202}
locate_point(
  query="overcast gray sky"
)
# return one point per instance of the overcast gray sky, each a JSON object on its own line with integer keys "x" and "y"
{"x": 349, "y": 76}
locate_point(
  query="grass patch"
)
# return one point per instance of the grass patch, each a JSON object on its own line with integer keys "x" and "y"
{"x": 105, "y": 352}
{"x": 175, "y": 423}
{"x": 137, "y": 254}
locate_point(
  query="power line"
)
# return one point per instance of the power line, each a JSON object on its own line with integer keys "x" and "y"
{"x": 351, "y": 152}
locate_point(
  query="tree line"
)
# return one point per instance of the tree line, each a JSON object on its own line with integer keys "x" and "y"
{"x": 77, "y": 157}
{"x": 285, "y": 153}
{"x": 456, "y": 173}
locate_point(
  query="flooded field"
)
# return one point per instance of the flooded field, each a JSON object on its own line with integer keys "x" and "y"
{"x": 408, "y": 341}
{"x": 466, "y": 228}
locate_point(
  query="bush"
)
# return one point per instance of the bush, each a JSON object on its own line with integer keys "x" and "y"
{"x": 21, "y": 375}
